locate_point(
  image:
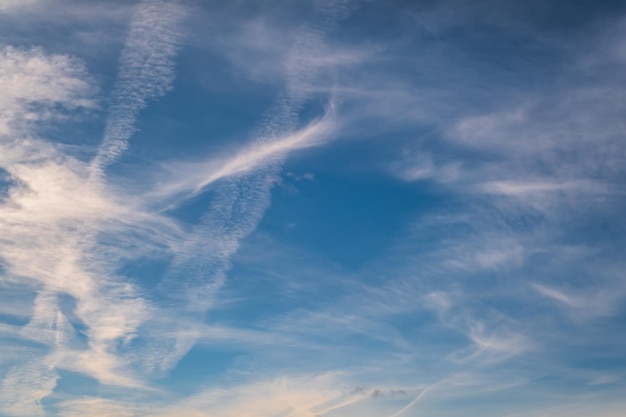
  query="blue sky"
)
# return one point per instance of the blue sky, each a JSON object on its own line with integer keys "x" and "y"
{"x": 300, "y": 209}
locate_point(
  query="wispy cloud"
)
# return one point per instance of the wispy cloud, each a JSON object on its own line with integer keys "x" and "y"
{"x": 8, "y": 5}
{"x": 240, "y": 202}
{"x": 146, "y": 72}
{"x": 192, "y": 178}
{"x": 584, "y": 304}
{"x": 35, "y": 84}
{"x": 496, "y": 273}
{"x": 53, "y": 217}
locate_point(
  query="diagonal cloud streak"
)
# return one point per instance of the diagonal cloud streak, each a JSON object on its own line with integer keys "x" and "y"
{"x": 240, "y": 201}
{"x": 146, "y": 72}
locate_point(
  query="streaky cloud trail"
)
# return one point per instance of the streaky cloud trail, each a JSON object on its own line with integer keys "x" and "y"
{"x": 243, "y": 195}
{"x": 146, "y": 72}
{"x": 242, "y": 199}
{"x": 414, "y": 401}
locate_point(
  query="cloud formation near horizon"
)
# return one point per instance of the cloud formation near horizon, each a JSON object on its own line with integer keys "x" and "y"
{"x": 334, "y": 208}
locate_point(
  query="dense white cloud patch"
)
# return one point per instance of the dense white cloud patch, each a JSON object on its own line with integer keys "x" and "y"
{"x": 33, "y": 84}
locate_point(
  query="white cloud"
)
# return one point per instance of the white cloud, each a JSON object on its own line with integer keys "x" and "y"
{"x": 23, "y": 388}
{"x": 239, "y": 203}
{"x": 32, "y": 84}
{"x": 289, "y": 395}
{"x": 12, "y": 5}
{"x": 314, "y": 134}
{"x": 64, "y": 231}
{"x": 146, "y": 72}
{"x": 524, "y": 189}
{"x": 193, "y": 178}
{"x": 52, "y": 221}
{"x": 585, "y": 304}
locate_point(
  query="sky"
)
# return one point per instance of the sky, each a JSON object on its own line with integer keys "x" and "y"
{"x": 324, "y": 208}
